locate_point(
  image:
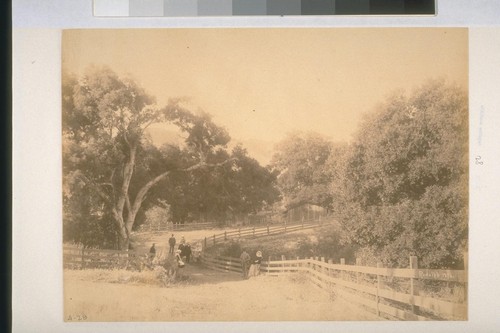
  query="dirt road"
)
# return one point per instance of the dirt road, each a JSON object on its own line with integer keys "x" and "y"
{"x": 203, "y": 295}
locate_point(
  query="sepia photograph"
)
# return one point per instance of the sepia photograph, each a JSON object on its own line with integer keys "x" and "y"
{"x": 251, "y": 174}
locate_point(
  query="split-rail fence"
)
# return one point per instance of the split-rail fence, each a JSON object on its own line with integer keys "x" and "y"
{"x": 269, "y": 230}
{"x": 392, "y": 293}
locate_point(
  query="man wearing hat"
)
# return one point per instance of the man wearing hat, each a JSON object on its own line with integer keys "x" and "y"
{"x": 171, "y": 243}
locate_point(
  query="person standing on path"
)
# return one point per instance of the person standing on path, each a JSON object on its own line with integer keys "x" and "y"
{"x": 171, "y": 242}
{"x": 245, "y": 261}
{"x": 255, "y": 267}
{"x": 187, "y": 249}
{"x": 182, "y": 249}
{"x": 152, "y": 252}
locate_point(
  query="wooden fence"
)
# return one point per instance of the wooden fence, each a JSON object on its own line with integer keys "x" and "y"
{"x": 394, "y": 293}
{"x": 221, "y": 264}
{"x": 76, "y": 257}
{"x": 270, "y": 229}
{"x": 163, "y": 227}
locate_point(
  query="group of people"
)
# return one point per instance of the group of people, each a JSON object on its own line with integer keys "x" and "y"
{"x": 183, "y": 252}
{"x": 250, "y": 266}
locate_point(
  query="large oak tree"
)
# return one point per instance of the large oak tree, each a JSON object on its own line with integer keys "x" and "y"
{"x": 401, "y": 188}
{"x": 106, "y": 152}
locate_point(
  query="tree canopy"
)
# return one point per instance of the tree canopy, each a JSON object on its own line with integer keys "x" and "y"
{"x": 401, "y": 187}
{"x": 108, "y": 156}
{"x": 228, "y": 193}
{"x": 303, "y": 174}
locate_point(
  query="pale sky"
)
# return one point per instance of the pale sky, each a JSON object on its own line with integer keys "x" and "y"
{"x": 261, "y": 84}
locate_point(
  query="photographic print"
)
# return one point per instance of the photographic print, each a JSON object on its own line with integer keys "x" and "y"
{"x": 281, "y": 174}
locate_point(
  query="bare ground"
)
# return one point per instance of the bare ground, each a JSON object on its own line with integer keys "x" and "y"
{"x": 201, "y": 295}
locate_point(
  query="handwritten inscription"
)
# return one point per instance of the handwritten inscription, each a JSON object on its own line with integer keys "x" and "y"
{"x": 77, "y": 317}
{"x": 440, "y": 275}
{"x": 479, "y": 160}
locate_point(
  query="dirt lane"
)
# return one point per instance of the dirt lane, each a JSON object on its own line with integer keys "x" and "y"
{"x": 204, "y": 295}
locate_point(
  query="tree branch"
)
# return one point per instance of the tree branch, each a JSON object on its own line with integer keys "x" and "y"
{"x": 127, "y": 204}
{"x": 140, "y": 197}
{"x": 149, "y": 123}
{"x": 126, "y": 138}
{"x": 97, "y": 187}
{"x": 203, "y": 164}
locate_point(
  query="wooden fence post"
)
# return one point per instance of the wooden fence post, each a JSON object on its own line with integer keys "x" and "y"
{"x": 323, "y": 268}
{"x": 253, "y": 231}
{"x": 225, "y": 235}
{"x": 283, "y": 258}
{"x": 268, "y": 264}
{"x": 342, "y": 274}
{"x": 82, "y": 265}
{"x": 268, "y": 229}
{"x": 214, "y": 239}
{"x": 205, "y": 243}
{"x": 239, "y": 232}
{"x": 379, "y": 285}
{"x": 359, "y": 262}
{"x": 330, "y": 261}
{"x": 298, "y": 263}
{"x": 413, "y": 284}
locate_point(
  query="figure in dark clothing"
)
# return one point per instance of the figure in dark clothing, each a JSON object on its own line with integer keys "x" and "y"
{"x": 171, "y": 242}
{"x": 245, "y": 263}
{"x": 255, "y": 267}
{"x": 152, "y": 252}
{"x": 182, "y": 250}
{"x": 187, "y": 251}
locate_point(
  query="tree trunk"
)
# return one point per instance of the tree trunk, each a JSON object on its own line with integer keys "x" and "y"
{"x": 118, "y": 210}
{"x": 125, "y": 224}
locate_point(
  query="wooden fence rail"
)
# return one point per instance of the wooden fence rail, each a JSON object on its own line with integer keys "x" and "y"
{"x": 268, "y": 230}
{"x": 369, "y": 286}
{"x": 162, "y": 227}
{"x": 224, "y": 264}
{"x": 75, "y": 257}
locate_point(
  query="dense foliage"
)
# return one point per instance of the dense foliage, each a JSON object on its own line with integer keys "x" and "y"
{"x": 303, "y": 174}
{"x": 225, "y": 194}
{"x": 112, "y": 172}
{"x": 401, "y": 187}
